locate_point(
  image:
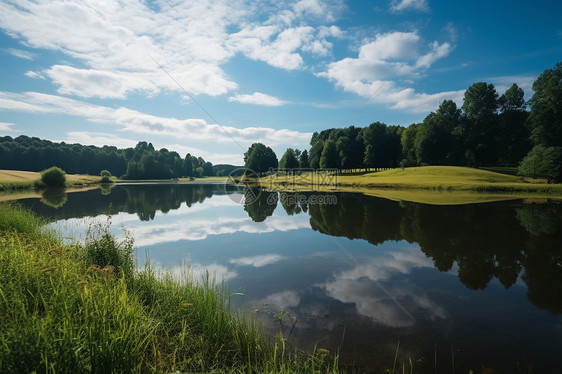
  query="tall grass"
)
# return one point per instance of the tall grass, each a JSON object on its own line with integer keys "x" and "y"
{"x": 84, "y": 308}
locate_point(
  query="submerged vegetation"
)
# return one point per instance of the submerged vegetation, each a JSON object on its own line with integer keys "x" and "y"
{"x": 85, "y": 308}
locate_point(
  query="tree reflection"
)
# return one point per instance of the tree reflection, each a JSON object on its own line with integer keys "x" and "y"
{"x": 259, "y": 204}
{"x": 486, "y": 241}
{"x": 54, "y": 197}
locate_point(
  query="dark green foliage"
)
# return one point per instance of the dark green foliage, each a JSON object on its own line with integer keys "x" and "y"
{"x": 303, "y": 160}
{"x": 546, "y": 108}
{"x": 543, "y": 162}
{"x": 382, "y": 145}
{"x": 480, "y": 127}
{"x": 435, "y": 140}
{"x": 289, "y": 160}
{"x": 105, "y": 176}
{"x": 53, "y": 177}
{"x": 141, "y": 162}
{"x": 260, "y": 158}
{"x": 329, "y": 157}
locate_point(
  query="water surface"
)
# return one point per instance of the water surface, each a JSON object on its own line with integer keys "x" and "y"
{"x": 478, "y": 285}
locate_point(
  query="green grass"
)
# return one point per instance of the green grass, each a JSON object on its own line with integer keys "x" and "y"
{"x": 427, "y": 184}
{"x": 84, "y": 308}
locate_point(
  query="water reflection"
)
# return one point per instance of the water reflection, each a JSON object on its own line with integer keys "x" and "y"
{"x": 377, "y": 269}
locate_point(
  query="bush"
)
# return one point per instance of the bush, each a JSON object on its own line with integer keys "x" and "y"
{"x": 53, "y": 177}
{"x": 105, "y": 176}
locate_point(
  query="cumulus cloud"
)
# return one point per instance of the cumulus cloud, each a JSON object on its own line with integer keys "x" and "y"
{"x": 146, "y": 124}
{"x": 123, "y": 46}
{"x": 257, "y": 98}
{"x": 402, "y": 5}
{"x": 383, "y": 62}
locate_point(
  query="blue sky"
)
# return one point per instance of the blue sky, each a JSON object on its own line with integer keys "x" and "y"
{"x": 211, "y": 77}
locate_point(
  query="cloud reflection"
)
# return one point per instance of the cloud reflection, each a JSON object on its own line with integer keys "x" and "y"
{"x": 257, "y": 261}
{"x": 361, "y": 288}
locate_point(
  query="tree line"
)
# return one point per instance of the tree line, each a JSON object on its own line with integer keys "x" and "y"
{"x": 141, "y": 162}
{"x": 489, "y": 129}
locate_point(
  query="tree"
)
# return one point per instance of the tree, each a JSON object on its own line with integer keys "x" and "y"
{"x": 303, "y": 160}
{"x": 513, "y": 132}
{"x": 382, "y": 145}
{"x": 543, "y": 162}
{"x": 260, "y": 158}
{"x": 480, "y": 108}
{"x": 329, "y": 157}
{"x": 289, "y": 160}
{"x": 546, "y": 108}
{"x": 187, "y": 166}
{"x": 53, "y": 177}
{"x": 407, "y": 140}
{"x": 315, "y": 153}
{"x": 435, "y": 143}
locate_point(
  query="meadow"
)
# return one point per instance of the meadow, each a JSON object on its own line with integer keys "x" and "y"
{"x": 427, "y": 184}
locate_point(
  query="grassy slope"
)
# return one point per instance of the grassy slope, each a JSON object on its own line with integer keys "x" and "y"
{"x": 84, "y": 308}
{"x": 17, "y": 179}
{"x": 428, "y": 184}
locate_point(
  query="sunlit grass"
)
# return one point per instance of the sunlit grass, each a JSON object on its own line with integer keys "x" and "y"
{"x": 11, "y": 180}
{"x": 420, "y": 184}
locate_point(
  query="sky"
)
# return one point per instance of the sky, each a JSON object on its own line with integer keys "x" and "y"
{"x": 211, "y": 77}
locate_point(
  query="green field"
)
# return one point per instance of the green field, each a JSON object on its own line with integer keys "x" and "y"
{"x": 427, "y": 184}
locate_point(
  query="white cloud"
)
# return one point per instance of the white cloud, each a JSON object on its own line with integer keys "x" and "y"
{"x": 401, "y": 5}
{"x": 257, "y": 98}
{"x": 20, "y": 53}
{"x": 123, "y": 46}
{"x": 257, "y": 261}
{"x": 34, "y": 75}
{"x": 146, "y": 124}
{"x": 382, "y": 63}
{"x": 94, "y": 83}
{"x": 5, "y": 126}
{"x": 98, "y": 139}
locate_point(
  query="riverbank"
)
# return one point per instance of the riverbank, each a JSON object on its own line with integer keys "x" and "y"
{"x": 85, "y": 308}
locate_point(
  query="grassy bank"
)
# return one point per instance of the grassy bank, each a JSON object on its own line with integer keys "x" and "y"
{"x": 437, "y": 184}
{"x": 12, "y": 180}
{"x": 85, "y": 308}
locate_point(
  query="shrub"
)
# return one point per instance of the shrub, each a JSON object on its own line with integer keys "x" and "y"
{"x": 105, "y": 176}
{"x": 53, "y": 177}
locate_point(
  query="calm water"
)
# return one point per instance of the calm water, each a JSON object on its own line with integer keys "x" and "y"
{"x": 479, "y": 284}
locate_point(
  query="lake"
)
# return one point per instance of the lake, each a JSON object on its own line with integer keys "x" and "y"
{"x": 460, "y": 286}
